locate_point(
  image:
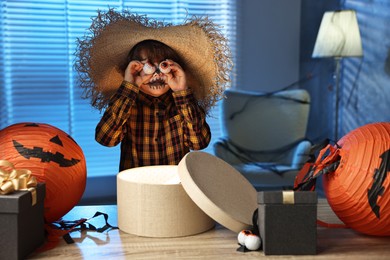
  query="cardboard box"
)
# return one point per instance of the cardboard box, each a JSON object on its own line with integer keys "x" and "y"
{"x": 153, "y": 203}
{"x": 287, "y": 222}
{"x": 184, "y": 199}
{"x": 21, "y": 224}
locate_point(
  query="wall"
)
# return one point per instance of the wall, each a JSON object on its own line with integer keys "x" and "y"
{"x": 276, "y": 40}
{"x": 366, "y": 81}
{"x": 268, "y": 44}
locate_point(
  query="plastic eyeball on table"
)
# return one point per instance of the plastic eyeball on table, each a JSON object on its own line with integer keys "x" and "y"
{"x": 252, "y": 242}
{"x": 249, "y": 240}
{"x": 242, "y": 235}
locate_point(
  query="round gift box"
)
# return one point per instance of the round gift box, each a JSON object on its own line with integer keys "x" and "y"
{"x": 152, "y": 203}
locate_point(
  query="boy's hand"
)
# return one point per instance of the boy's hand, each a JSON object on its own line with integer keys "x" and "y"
{"x": 176, "y": 78}
{"x": 132, "y": 72}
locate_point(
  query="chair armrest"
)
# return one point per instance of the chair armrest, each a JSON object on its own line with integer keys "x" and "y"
{"x": 295, "y": 156}
{"x": 226, "y": 152}
{"x": 301, "y": 154}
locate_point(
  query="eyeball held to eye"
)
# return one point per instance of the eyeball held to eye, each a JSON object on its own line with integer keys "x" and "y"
{"x": 149, "y": 69}
{"x": 164, "y": 67}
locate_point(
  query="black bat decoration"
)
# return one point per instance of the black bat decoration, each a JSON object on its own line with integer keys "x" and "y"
{"x": 37, "y": 152}
{"x": 377, "y": 189}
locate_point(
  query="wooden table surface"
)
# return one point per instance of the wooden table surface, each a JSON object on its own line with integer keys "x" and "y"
{"x": 218, "y": 243}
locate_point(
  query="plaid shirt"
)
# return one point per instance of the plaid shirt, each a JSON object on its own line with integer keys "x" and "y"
{"x": 152, "y": 131}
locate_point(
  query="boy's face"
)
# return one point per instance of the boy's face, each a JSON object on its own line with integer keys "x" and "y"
{"x": 154, "y": 84}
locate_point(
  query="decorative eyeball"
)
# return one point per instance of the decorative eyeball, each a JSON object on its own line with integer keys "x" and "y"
{"x": 242, "y": 235}
{"x": 252, "y": 242}
{"x": 149, "y": 69}
{"x": 164, "y": 67}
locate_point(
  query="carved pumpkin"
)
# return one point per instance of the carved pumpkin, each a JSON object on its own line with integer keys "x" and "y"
{"x": 53, "y": 157}
{"x": 356, "y": 178}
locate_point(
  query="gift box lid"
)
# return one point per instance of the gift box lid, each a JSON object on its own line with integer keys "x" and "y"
{"x": 218, "y": 189}
{"x": 19, "y": 201}
{"x": 287, "y": 197}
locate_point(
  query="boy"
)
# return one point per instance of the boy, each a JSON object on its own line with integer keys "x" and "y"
{"x": 154, "y": 116}
{"x": 170, "y": 78}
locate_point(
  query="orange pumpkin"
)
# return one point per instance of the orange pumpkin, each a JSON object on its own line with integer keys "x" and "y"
{"x": 53, "y": 158}
{"x": 356, "y": 178}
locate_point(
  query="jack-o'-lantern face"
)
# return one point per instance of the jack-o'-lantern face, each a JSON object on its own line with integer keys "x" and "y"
{"x": 53, "y": 157}
{"x": 55, "y": 154}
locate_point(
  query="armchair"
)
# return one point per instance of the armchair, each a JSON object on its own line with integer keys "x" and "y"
{"x": 264, "y": 135}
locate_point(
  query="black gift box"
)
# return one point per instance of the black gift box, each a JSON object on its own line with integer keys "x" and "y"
{"x": 21, "y": 223}
{"x": 287, "y": 222}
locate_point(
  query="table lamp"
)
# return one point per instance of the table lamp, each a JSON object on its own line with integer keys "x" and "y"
{"x": 338, "y": 37}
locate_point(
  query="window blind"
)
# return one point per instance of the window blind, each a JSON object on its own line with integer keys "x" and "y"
{"x": 365, "y": 84}
{"x": 38, "y": 83}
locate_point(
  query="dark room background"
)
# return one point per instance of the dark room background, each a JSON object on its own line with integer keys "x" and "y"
{"x": 272, "y": 43}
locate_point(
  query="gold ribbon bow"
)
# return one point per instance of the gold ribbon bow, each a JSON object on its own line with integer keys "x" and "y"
{"x": 12, "y": 180}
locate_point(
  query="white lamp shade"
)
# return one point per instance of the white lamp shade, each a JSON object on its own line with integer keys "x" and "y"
{"x": 338, "y": 35}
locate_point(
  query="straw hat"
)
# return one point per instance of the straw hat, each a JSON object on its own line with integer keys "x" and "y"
{"x": 102, "y": 53}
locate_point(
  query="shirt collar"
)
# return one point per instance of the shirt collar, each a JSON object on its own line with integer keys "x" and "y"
{"x": 149, "y": 100}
